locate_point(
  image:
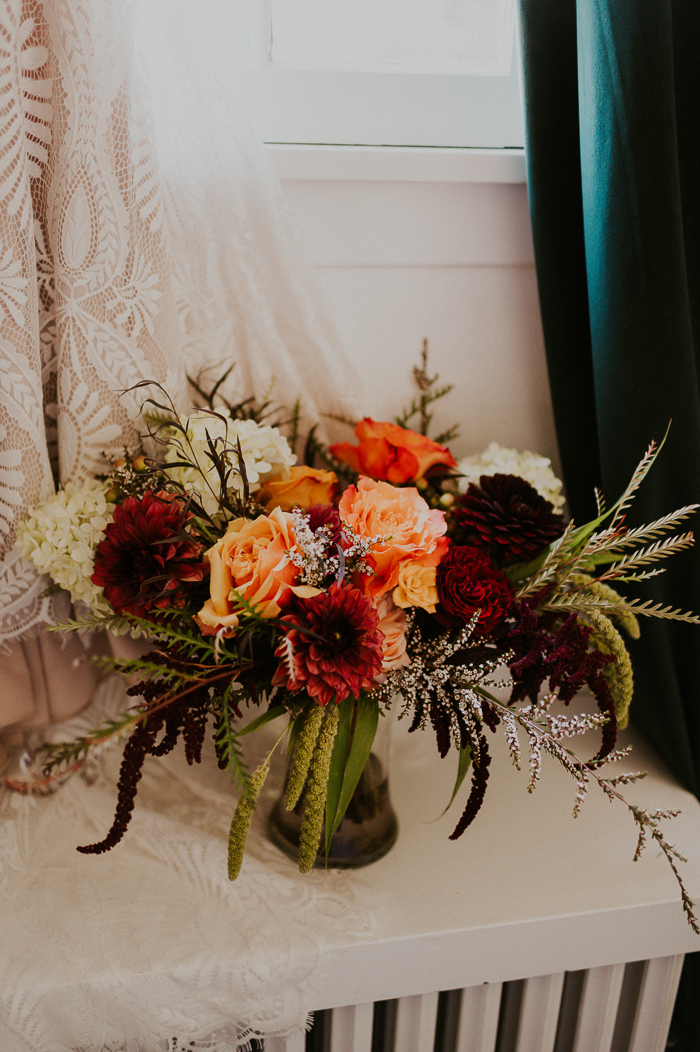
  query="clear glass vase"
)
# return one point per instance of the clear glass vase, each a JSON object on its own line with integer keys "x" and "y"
{"x": 368, "y": 830}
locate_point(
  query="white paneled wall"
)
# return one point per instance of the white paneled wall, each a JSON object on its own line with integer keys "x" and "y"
{"x": 453, "y": 262}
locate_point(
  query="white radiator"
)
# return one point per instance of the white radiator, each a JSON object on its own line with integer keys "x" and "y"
{"x": 616, "y": 1008}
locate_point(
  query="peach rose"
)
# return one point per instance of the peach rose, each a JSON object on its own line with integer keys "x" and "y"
{"x": 416, "y": 586}
{"x": 412, "y": 532}
{"x": 304, "y": 487}
{"x": 392, "y": 625}
{"x": 391, "y": 453}
{"x": 252, "y": 559}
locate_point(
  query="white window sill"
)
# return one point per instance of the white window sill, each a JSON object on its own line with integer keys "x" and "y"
{"x": 397, "y": 163}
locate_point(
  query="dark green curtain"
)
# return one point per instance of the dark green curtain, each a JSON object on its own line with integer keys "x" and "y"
{"x": 612, "y": 103}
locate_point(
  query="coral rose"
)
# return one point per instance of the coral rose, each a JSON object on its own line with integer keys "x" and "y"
{"x": 468, "y": 582}
{"x": 253, "y": 560}
{"x": 392, "y": 625}
{"x": 305, "y": 486}
{"x": 411, "y": 532}
{"x": 391, "y": 453}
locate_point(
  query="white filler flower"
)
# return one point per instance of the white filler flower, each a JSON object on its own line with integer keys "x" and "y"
{"x": 499, "y": 460}
{"x": 266, "y": 454}
{"x": 60, "y": 537}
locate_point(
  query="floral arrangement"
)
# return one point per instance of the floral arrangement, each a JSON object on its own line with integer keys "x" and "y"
{"x": 324, "y": 594}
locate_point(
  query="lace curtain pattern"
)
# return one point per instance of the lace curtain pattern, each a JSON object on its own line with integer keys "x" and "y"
{"x": 87, "y": 307}
{"x": 141, "y": 235}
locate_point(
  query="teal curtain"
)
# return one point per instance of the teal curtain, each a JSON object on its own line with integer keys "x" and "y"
{"x": 612, "y": 103}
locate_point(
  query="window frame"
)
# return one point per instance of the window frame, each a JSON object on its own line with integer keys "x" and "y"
{"x": 437, "y": 111}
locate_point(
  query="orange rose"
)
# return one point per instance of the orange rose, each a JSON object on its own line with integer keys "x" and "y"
{"x": 252, "y": 559}
{"x": 392, "y": 625}
{"x": 304, "y": 487}
{"x": 412, "y": 532}
{"x": 416, "y": 586}
{"x": 391, "y": 453}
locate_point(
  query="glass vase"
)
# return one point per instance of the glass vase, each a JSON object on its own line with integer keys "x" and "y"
{"x": 369, "y": 828}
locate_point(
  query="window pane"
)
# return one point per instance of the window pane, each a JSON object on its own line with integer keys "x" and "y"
{"x": 404, "y": 36}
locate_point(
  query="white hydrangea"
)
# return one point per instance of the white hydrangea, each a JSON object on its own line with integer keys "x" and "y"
{"x": 266, "y": 454}
{"x": 60, "y": 537}
{"x": 499, "y": 460}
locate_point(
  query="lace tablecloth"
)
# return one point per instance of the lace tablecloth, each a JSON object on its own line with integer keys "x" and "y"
{"x": 149, "y": 947}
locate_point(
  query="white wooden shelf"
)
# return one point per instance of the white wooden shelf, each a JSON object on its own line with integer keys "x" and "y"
{"x": 527, "y": 891}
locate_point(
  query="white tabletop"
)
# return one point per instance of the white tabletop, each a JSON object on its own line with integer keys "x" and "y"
{"x": 527, "y": 890}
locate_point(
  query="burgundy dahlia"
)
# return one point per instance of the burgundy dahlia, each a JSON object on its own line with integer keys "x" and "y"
{"x": 146, "y": 554}
{"x": 507, "y": 515}
{"x": 336, "y": 650}
{"x": 325, "y": 515}
{"x": 467, "y": 582}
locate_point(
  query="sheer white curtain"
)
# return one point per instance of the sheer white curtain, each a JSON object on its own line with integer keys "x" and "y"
{"x": 141, "y": 235}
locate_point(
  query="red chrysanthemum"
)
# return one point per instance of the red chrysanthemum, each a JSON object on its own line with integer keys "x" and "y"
{"x": 146, "y": 554}
{"x": 467, "y": 582}
{"x": 507, "y": 515}
{"x": 344, "y": 653}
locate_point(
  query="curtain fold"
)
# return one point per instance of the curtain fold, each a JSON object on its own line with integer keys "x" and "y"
{"x": 612, "y": 118}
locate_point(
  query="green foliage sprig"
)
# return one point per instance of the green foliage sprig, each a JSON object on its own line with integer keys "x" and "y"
{"x": 428, "y": 395}
{"x": 563, "y": 570}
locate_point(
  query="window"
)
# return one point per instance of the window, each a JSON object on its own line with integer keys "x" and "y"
{"x": 436, "y": 73}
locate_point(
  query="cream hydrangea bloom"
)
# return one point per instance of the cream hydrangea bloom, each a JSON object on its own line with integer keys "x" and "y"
{"x": 499, "y": 460}
{"x": 266, "y": 454}
{"x": 60, "y": 537}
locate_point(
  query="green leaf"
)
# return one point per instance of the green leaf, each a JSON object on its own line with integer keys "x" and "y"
{"x": 339, "y": 759}
{"x": 366, "y": 718}
{"x": 267, "y": 717}
{"x": 465, "y": 761}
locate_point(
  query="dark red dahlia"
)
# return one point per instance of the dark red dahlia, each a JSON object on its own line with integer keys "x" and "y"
{"x": 325, "y": 515}
{"x": 467, "y": 582}
{"x": 344, "y": 653}
{"x": 507, "y": 515}
{"x": 147, "y": 552}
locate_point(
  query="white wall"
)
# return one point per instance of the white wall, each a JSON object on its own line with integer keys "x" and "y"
{"x": 449, "y": 261}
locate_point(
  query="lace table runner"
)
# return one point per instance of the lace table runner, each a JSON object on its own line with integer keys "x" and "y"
{"x": 150, "y": 948}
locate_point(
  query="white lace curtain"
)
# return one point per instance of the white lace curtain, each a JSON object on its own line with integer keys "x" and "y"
{"x": 140, "y": 235}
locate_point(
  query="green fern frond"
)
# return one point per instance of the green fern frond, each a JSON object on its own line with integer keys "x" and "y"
{"x": 593, "y": 586}
{"x": 227, "y": 741}
{"x": 91, "y": 623}
{"x": 571, "y": 601}
{"x": 640, "y": 473}
{"x": 660, "y": 549}
{"x": 659, "y": 526}
{"x": 58, "y": 754}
